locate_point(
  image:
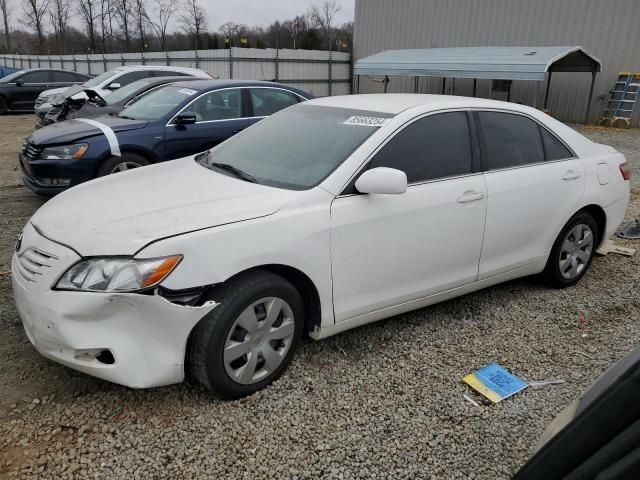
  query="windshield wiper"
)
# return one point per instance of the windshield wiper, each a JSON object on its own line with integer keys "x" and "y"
{"x": 235, "y": 170}
{"x": 124, "y": 116}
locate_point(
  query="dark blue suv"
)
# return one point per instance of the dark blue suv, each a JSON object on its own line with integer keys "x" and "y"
{"x": 171, "y": 122}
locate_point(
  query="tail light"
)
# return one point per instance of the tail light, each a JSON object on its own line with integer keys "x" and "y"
{"x": 625, "y": 171}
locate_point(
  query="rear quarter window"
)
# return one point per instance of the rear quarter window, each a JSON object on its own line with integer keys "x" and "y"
{"x": 554, "y": 149}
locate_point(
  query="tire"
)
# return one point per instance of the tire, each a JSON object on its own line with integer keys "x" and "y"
{"x": 117, "y": 164}
{"x": 4, "y": 106}
{"x": 244, "y": 370}
{"x": 569, "y": 262}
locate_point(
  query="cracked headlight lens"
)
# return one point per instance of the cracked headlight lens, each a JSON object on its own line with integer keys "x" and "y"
{"x": 117, "y": 274}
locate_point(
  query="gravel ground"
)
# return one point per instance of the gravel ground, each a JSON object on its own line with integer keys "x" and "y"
{"x": 382, "y": 401}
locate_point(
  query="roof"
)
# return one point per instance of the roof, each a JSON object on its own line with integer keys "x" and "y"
{"x": 203, "y": 84}
{"x": 394, "y": 103}
{"x": 505, "y": 63}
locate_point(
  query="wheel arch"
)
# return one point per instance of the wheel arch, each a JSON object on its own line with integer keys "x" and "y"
{"x": 302, "y": 282}
{"x": 147, "y": 155}
{"x": 599, "y": 215}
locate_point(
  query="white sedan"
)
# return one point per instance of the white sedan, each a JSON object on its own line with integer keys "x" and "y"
{"x": 328, "y": 215}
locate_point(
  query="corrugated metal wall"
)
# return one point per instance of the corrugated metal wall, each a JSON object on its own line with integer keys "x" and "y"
{"x": 608, "y": 29}
{"x": 310, "y": 70}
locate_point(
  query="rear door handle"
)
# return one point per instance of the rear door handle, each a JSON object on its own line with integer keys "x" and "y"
{"x": 471, "y": 197}
{"x": 571, "y": 175}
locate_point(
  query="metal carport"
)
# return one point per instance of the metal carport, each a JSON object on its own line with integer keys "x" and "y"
{"x": 493, "y": 63}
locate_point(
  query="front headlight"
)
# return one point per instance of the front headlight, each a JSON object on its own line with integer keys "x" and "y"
{"x": 117, "y": 274}
{"x": 65, "y": 152}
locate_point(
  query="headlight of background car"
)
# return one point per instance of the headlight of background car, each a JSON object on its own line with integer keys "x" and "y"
{"x": 65, "y": 152}
{"x": 117, "y": 274}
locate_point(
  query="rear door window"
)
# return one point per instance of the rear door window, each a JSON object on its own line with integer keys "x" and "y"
{"x": 430, "y": 148}
{"x": 510, "y": 140}
{"x": 267, "y": 101}
{"x": 168, "y": 73}
{"x": 64, "y": 77}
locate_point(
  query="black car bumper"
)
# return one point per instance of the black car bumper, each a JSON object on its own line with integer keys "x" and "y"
{"x": 39, "y": 177}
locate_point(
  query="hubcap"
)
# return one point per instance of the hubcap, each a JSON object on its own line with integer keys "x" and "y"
{"x": 259, "y": 340}
{"x": 124, "y": 166}
{"x": 576, "y": 251}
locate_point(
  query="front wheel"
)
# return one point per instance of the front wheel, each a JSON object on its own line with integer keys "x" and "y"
{"x": 572, "y": 251}
{"x": 249, "y": 339}
{"x": 123, "y": 163}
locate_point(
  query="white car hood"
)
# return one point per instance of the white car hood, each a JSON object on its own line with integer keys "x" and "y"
{"x": 121, "y": 213}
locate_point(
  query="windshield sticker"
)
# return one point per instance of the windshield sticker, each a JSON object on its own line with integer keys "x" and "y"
{"x": 186, "y": 91}
{"x": 366, "y": 121}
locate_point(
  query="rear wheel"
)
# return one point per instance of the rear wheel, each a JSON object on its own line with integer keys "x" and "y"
{"x": 3, "y": 106}
{"x": 123, "y": 163}
{"x": 249, "y": 339}
{"x": 572, "y": 251}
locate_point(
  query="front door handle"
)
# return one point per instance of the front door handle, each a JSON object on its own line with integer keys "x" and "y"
{"x": 571, "y": 175}
{"x": 471, "y": 196}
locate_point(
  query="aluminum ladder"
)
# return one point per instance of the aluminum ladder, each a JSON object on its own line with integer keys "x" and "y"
{"x": 622, "y": 99}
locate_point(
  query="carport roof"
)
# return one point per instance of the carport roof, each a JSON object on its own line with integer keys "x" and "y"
{"x": 503, "y": 63}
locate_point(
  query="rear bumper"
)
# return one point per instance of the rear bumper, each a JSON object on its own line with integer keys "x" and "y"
{"x": 615, "y": 213}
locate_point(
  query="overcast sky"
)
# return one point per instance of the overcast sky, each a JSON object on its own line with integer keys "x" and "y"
{"x": 263, "y": 12}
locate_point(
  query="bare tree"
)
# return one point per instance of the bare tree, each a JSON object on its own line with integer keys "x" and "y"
{"x": 164, "y": 10}
{"x": 140, "y": 15}
{"x": 123, "y": 15}
{"x": 194, "y": 20}
{"x": 33, "y": 18}
{"x": 106, "y": 25}
{"x": 323, "y": 16}
{"x": 4, "y": 8}
{"x": 90, "y": 13}
{"x": 59, "y": 13}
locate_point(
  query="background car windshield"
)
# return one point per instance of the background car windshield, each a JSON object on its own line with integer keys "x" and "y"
{"x": 127, "y": 91}
{"x": 296, "y": 148}
{"x": 11, "y": 77}
{"x": 158, "y": 103}
{"x": 95, "y": 81}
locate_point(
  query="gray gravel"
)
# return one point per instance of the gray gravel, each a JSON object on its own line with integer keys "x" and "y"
{"x": 382, "y": 401}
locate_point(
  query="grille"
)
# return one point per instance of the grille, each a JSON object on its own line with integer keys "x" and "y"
{"x": 30, "y": 151}
{"x": 33, "y": 263}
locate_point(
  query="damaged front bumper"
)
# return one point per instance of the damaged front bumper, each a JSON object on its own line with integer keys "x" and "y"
{"x": 131, "y": 339}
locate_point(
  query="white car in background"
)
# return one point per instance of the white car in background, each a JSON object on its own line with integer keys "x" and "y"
{"x": 111, "y": 80}
{"x": 326, "y": 216}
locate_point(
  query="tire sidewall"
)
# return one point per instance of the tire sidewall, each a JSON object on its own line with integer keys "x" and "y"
{"x": 224, "y": 316}
{"x": 553, "y": 266}
{"x": 107, "y": 165}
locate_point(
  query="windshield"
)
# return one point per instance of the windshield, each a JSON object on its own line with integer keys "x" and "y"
{"x": 298, "y": 147}
{"x": 95, "y": 81}
{"x": 158, "y": 103}
{"x": 123, "y": 93}
{"x": 11, "y": 77}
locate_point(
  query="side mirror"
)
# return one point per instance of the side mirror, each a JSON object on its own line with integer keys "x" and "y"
{"x": 19, "y": 82}
{"x": 113, "y": 86}
{"x": 382, "y": 180}
{"x": 185, "y": 118}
